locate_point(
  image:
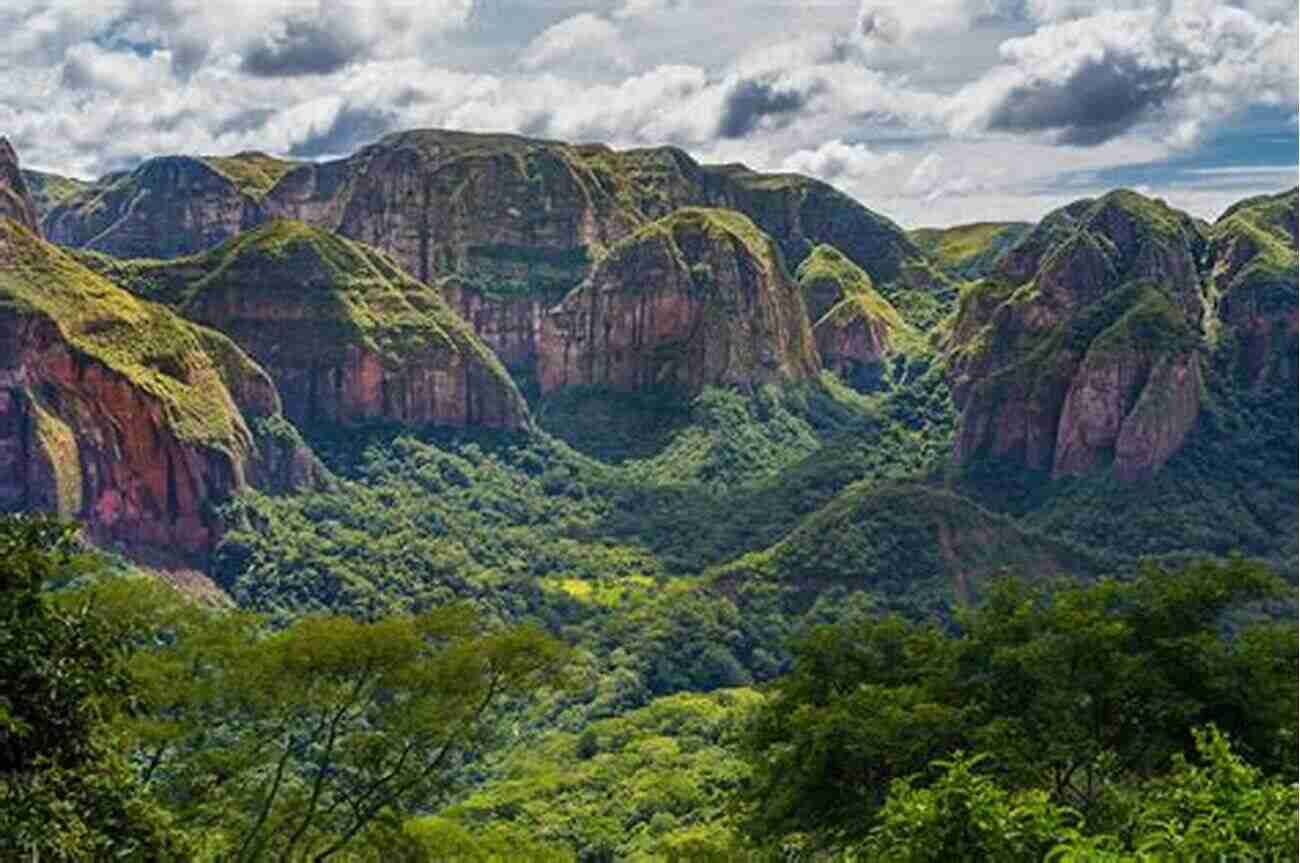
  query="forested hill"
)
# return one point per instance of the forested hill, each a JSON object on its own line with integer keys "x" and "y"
{"x": 636, "y": 475}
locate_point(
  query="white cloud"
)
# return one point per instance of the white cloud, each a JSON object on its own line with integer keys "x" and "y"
{"x": 837, "y": 162}
{"x": 580, "y": 41}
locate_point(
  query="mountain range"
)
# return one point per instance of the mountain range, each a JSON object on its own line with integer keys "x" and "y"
{"x": 724, "y": 341}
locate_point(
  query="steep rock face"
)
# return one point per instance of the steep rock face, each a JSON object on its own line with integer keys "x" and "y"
{"x": 15, "y": 198}
{"x": 1254, "y": 277}
{"x": 497, "y": 208}
{"x": 348, "y": 337}
{"x": 1083, "y": 350}
{"x": 518, "y": 221}
{"x": 855, "y": 328}
{"x": 116, "y": 412}
{"x": 167, "y": 207}
{"x": 699, "y": 297}
{"x": 802, "y": 213}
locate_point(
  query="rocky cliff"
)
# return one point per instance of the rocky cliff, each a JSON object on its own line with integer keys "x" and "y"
{"x": 517, "y": 221}
{"x": 118, "y": 413}
{"x": 1254, "y": 279}
{"x": 167, "y": 207}
{"x": 1083, "y": 350}
{"x": 15, "y": 198}
{"x": 699, "y": 297}
{"x": 347, "y": 336}
{"x": 854, "y": 326}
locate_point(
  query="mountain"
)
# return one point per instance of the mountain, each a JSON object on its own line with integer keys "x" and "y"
{"x": 900, "y": 541}
{"x": 348, "y": 337}
{"x": 1253, "y": 247}
{"x": 167, "y": 207}
{"x": 969, "y": 251}
{"x": 50, "y": 190}
{"x": 116, "y": 412}
{"x": 518, "y": 222}
{"x": 1083, "y": 349}
{"x": 698, "y": 297}
{"x": 855, "y": 327}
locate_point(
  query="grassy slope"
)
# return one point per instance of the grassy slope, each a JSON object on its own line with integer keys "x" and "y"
{"x": 49, "y": 190}
{"x": 143, "y": 341}
{"x": 253, "y": 173}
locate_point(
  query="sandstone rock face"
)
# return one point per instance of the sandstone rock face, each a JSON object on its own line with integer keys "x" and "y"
{"x": 699, "y": 297}
{"x": 117, "y": 413}
{"x": 348, "y": 337}
{"x": 15, "y": 198}
{"x": 169, "y": 206}
{"x": 1254, "y": 277}
{"x": 1083, "y": 352}
{"x": 855, "y": 328}
{"x": 497, "y": 207}
{"x": 518, "y": 222}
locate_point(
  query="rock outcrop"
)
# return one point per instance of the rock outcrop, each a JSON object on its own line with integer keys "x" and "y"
{"x": 518, "y": 222}
{"x": 1254, "y": 279}
{"x": 1083, "y": 351}
{"x": 116, "y": 412}
{"x": 699, "y": 297}
{"x": 854, "y": 326}
{"x": 15, "y": 198}
{"x": 348, "y": 337}
{"x": 168, "y": 207}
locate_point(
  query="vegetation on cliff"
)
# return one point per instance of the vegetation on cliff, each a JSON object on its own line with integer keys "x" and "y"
{"x": 165, "y": 356}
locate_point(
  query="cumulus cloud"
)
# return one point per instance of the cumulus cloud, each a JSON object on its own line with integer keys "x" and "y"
{"x": 943, "y": 100}
{"x": 837, "y": 162}
{"x": 580, "y": 40}
{"x": 348, "y": 128}
{"x": 749, "y": 102}
{"x": 1092, "y": 79}
{"x": 647, "y": 8}
{"x": 301, "y": 46}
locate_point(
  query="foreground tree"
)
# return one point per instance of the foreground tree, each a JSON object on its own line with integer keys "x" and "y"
{"x": 1068, "y": 690}
{"x": 290, "y": 745}
{"x": 66, "y": 791}
{"x": 1212, "y": 806}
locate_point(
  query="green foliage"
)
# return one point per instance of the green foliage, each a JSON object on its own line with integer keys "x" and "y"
{"x": 1216, "y": 807}
{"x": 293, "y": 743}
{"x": 645, "y": 785}
{"x": 66, "y": 791}
{"x": 964, "y": 815}
{"x": 1070, "y": 691}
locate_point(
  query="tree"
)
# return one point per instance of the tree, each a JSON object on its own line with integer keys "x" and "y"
{"x": 66, "y": 793}
{"x": 289, "y": 745}
{"x": 1069, "y": 688}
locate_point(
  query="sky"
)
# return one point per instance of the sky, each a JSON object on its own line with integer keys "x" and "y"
{"x": 932, "y": 112}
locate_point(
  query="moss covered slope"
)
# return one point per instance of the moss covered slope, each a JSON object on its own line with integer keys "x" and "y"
{"x": 969, "y": 251}
{"x": 855, "y": 327}
{"x": 1255, "y": 291}
{"x": 117, "y": 411}
{"x": 348, "y": 336}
